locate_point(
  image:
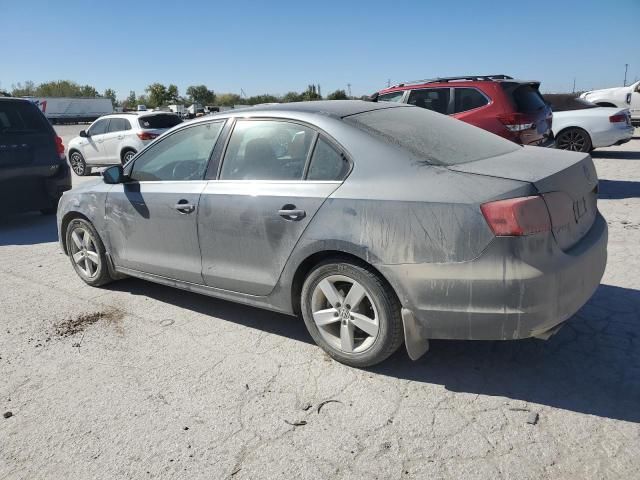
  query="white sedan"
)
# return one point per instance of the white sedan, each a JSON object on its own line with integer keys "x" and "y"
{"x": 581, "y": 126}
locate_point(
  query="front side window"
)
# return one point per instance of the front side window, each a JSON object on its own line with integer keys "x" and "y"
{"x": 468, "y": 99}
{"x": 327, "y": 163}
{"x": 391, "y": 97}
{"x": 99, "y": 127}
{"x": 183, "y": 155}
{"x": 436, "y": 99}
{"x": 266, "y": 150}
{"x": 119, "y": 125}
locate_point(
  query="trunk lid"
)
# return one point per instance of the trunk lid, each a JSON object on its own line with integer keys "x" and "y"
{"x": 566, "y": 180}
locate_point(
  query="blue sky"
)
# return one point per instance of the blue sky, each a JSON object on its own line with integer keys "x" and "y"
{"x": 277, "y": 46}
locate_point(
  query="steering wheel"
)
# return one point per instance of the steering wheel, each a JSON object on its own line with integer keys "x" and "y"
{"x": 184, "y": 170}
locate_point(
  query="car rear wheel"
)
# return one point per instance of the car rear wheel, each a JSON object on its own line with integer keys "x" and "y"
{"x": 87, "y": 253}
{"x": 78, "y": 165}
{"x": 574, "y": 139}
{"x": 127, "y": 155}
{"x": 351, "y": 313}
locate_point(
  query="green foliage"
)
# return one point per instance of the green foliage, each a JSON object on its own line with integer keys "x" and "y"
{"x": 201, "y": 94}
{"x": 264, "y": 98}
{"x": 158, "y": 95}
{"x": 111, "y": 94}
{"x": 56, "y": 88}
{"x": 311, "y": 94}
{"x": 26, "y": 90}
{"x": 338, "y": 95}
{"x": 229, "y": 99}
{"x": 291, "y": 97}
{"x": 131, "y": 101}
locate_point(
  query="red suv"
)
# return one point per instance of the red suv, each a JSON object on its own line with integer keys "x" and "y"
{"x": 513, "y": 109}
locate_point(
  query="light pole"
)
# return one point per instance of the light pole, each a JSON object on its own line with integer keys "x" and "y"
{"x": 626, "y": 67}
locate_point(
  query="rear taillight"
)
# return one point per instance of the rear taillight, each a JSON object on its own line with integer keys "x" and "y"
{"x": 516, "y": 122}
{"x": 517, "y": 216}
{"x": 619, "y": 117}
{"x": 147, "y": 135}
{"x": 60, "y": 147}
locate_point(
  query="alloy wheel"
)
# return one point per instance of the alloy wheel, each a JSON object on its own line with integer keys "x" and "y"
{"x": 77, "y": 164}
{"x": 345, "y": 314}
{"x": 84, "y": 252}
{"x": 573, "y": 140}
{"x": 127, "y": 156}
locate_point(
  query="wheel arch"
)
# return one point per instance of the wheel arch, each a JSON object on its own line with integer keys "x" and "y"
{"x": 316, "y": 258}
{"x": 66, "y": 220}
{"x": 574, "y": 127}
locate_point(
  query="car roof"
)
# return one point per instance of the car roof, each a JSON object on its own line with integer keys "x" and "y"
{"x": 332, "y": 108}
{"x": 456, "y": 81}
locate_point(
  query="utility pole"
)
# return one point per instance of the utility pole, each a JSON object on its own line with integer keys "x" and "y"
{"x": 388, "y": 83}
{"x": 626, "y": 67}
{"x": 574, "y": 85}
{"x": 349, "y": 89}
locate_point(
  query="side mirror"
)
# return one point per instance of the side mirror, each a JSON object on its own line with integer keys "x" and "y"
{"x": 84, "y": 134}
{"x": 113, "y": 175}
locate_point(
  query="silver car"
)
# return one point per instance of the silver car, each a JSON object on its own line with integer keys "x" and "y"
{"x": 376, "y": 222}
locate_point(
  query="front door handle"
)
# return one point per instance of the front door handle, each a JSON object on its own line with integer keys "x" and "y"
{"x": 183, "y": 206}
{"x": 290, "y": 212}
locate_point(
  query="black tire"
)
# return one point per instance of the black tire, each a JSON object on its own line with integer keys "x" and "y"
{"x": 574, "y": 139}
{"x": 78, "y": 165}
{"x": 102, "y": 275}
{"x": 127, "y": 155}
{"x": 390, "y": 330}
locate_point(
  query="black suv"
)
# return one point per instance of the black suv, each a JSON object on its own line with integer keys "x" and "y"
{"x": 33, "y": 167}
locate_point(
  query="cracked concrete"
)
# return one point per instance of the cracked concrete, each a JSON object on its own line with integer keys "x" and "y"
{"x": 185, "y": 386}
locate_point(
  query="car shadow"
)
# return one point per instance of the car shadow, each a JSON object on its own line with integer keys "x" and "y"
{"x": 592, "y": 365}
{"x": 616, "y": 189}
{"x": 28, "y": 229}
{"x": 252, "y": 317}
{"x": 616, "y": 155}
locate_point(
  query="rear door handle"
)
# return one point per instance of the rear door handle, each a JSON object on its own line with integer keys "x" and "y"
{"x": 183, "y": 206}
{"x": 290, "y": 212}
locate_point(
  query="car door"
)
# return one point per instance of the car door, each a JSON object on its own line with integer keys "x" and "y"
{"x": 635, "y": 102}
{"x": 92, "y": 147}
{"x": 112, "y": 139}
{"x": 253, "y": 215}
{"x": 151, "y": 218}
{"x": 437, "y": 99}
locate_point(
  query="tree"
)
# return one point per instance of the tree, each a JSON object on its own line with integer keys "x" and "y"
{"x": 131, "y": 101}
{"x": 111, "y": 94}
{"x": 88, "y": 91}
{"x": 264, "y": 98}
{"x": 172, "y": 94}
{"x": 26, "y": 90}
{"x": 337, "y": 95}
{"x": 291, "y": 97}
{"x": 201, "y": 94}
{"x": 158, "y": 95}
{"x": 229, "y": 99}
{"x": 311, "y": 93}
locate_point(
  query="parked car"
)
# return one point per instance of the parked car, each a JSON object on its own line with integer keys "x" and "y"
{"x": 581, "y": 126}
{"x": 621, "y": 97}
{"x": 372, "y": 220}
{"x": 513, "y": 109}
{"x": 117, "y": 138}
{"x": 33, "y": 167}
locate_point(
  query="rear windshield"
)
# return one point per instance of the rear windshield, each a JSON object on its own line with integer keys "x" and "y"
{"x": 564, "y": 102}
{"x": 22, "y": 117}
{"x": 159, "y": 121}
{"x": 528, "y": 99}
{"x": 435, "y": 138}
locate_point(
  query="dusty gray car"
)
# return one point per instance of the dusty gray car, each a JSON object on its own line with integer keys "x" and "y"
{"x": 377, "y": 222}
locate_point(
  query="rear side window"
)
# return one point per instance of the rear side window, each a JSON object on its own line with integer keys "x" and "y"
{"x": 468, "y": 99}
{"x": 119, "y": 125}
{"x": 99, "y": 127}
{"x": 22, "y": 117}
{"x": 327, "y": 163}
{"x": 159, "y": 121}
{"x": 391, "y": 97}
{"x": 528, "y": 99}
{"x": 434, "y": 139}
{"x": 267, "y": 150}
{"x": 436, "y": 99}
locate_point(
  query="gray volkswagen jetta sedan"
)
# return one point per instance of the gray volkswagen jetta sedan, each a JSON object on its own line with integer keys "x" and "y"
{"x": 376, "y": 222}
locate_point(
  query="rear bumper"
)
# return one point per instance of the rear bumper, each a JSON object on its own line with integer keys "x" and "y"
{"x": 612, "y": 136}
{"x": 517, "y": 288}
{"x": 23, "y": 191}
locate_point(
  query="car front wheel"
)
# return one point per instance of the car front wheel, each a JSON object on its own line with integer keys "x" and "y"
{"x": 574, "y": 139}
{"x": 351, "y": 313}
{"x": 78, "y": 165}
{"x": 87, "y": 253}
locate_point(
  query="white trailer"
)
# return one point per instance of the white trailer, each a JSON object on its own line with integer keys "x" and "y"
{"x": 73, "y": 110}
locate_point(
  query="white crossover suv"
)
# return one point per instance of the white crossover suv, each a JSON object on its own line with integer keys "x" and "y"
{"x": 116, "y": 138}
